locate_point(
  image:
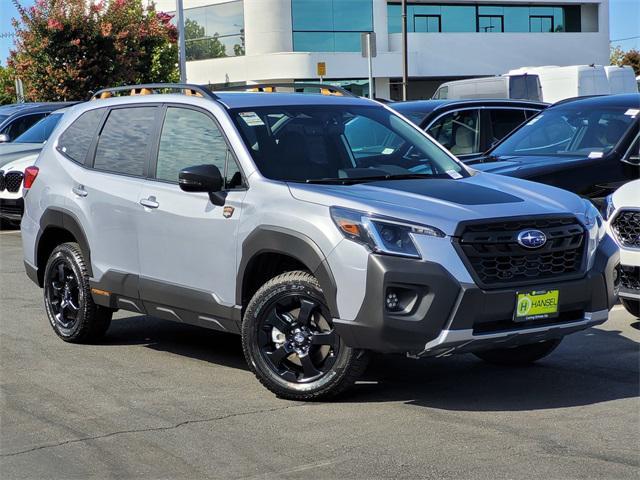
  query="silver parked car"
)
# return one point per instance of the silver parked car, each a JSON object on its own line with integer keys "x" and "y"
{"x": 319, "y": 228}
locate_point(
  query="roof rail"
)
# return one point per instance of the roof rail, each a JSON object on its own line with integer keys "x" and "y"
{"x": 324, "y": 88}
{"x": 155, "y": 88}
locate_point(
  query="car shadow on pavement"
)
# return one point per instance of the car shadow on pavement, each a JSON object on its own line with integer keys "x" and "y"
{"x": 589, "y": 367}
{"x": 186, "y": 340}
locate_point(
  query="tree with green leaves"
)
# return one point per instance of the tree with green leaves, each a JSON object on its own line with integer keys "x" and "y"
{"x": 7, "y": 88}
{"x": 65, "y": 49}
{"x": 631, "y": 57}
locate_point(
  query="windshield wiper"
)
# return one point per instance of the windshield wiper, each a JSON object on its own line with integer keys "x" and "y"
{"x": 373, "y": 178}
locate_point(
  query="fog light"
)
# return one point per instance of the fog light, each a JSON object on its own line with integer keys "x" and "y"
{"x": 392, "y": 300}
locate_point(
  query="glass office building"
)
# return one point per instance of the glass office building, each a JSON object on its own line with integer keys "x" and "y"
{"x": 238, "y": 41}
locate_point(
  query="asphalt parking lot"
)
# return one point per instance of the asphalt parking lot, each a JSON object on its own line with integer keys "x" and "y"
{"x": 163, "y": 400}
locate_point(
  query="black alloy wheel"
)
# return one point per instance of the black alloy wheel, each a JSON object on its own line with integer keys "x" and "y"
{"x": 296, "y": 339}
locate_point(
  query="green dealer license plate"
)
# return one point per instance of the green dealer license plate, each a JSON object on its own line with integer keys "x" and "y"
{"x": 536, "y": 305}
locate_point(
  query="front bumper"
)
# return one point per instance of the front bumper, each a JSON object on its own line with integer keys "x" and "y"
{"x": 448, "y": 315}
{"x": 11, "y": 209}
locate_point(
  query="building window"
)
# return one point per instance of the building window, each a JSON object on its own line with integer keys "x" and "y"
{"x": 485, "y": 18}
{"x": 427, "y": 23}
{"x": 330, "y": 25}
{"x": 538, "y": 23}
{"x": 214, "y": 31}
{"x": 490, "y": 24}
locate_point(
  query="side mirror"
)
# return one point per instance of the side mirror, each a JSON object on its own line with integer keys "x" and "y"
{"x": 203, "y": 178}
{"x": 4, "y": 138}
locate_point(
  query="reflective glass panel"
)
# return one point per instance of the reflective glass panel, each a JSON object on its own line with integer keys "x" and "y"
{"x": 214, "y": 31}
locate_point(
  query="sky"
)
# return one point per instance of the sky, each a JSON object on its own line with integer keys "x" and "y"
{"x": 624, "y": 23}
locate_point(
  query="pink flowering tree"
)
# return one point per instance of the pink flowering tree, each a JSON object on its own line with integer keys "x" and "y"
{"x": 65, "y": 49}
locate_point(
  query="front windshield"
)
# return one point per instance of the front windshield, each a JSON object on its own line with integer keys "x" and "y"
{"x": 330, "y": 142}
{"x": 569, "y": 130}
{"x": 40, "y": 131}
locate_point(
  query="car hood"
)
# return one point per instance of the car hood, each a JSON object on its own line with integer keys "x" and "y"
{"x": 13, "y": 151}
{"x": 443, "y": 203}
{"x": 523, "y": 166}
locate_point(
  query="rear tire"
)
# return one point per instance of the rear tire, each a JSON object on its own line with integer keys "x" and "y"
{"x": 290, "y": 344}
{"x": 631, "y": 306}
{"x": 521, "y": 355}
{"x": 67, "y": 297}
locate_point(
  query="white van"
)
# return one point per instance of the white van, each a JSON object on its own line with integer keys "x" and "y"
{"x": 559, "y": 83}
{"x": 519, "y": 87}
{"x": 621, "y": 79}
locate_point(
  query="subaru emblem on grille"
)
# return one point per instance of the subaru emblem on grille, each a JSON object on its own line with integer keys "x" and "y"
{"x": 532, "y": 238}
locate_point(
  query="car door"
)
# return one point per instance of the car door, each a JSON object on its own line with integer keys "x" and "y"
{"x": 105, "y": 196}
{"x": 187, "y": 244}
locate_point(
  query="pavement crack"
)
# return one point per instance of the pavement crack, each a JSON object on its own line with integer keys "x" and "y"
{"x": 149, "y": 429}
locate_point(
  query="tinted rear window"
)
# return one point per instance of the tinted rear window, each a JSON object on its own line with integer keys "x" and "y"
{"x": 124, "y": 141}
{"x": 76, "y": 140}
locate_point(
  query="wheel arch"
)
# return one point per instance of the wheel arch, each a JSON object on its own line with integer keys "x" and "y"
{"x": 269, "y": 249}
{"x": 58, "y": 226}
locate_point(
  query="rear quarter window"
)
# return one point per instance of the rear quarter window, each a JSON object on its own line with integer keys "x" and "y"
{"x": 76, "y": 140}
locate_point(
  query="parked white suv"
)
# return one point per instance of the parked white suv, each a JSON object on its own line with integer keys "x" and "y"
{"x": 623, "y": 215}
{"x": 317, "y": 227}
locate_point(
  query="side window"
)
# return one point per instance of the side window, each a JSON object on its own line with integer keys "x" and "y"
{"x": 124, "y": 141}
{"x": 233, "y": 175}
{"x": 76, "y": 140}
{"x": 503, "y": 121}
{"x": 458, "y": 131}
{"x": 188, "y": 138}
{"x": 22, "y": 124}
{"x": 633, "y": 154}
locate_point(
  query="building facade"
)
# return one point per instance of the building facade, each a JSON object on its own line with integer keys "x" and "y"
{"x": 231, "y": 42}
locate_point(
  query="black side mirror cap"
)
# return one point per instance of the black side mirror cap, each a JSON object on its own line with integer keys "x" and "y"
{"x": 203, "y": 178}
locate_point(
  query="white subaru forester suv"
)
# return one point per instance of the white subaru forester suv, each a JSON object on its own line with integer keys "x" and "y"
{"x": 317, "y": 227}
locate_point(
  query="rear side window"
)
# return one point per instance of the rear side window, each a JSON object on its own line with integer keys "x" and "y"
{"x": 76, "y": 140}
{"x": 503, "y": 121}
{"x": 188, "y": 138}
{"x": 458, "y": 132}
{"x": 124, "y": 141}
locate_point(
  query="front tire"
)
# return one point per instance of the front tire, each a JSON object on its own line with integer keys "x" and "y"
{"x": 521, "y": 355}
{"x": 67, "y": 297}
{"x": 631, "y": 306}
{"x": 290, "y": 344}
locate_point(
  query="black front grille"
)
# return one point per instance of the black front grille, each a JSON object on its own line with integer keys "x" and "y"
{"x": 626, "y": 228}
{"x": 1, "y": 181}
{"x": 497, "y": 259}
{"x": 12, "y": 181}
{"x": 630, "y": 277}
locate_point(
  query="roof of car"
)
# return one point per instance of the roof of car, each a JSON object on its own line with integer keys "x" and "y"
{"x": 33, "y": 106}
{"x": 629, "y": 100}
{"x": 427, "y": 106}
{"x": 265, "y": 99}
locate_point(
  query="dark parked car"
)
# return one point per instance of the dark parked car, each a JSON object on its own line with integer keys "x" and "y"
{"x": 17, "y": 118}
{"x": 586, "y": 145}
{"x": 467, "y": 128}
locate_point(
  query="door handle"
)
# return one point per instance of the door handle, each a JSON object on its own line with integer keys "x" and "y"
{"x": 80, "y": 191}
{"x": 149, "y": 202}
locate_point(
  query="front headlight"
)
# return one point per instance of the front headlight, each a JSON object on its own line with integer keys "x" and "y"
{"x": 381, "y": 234}
{"x": 590, "y": 217}
{"x": 608, "y": 208}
